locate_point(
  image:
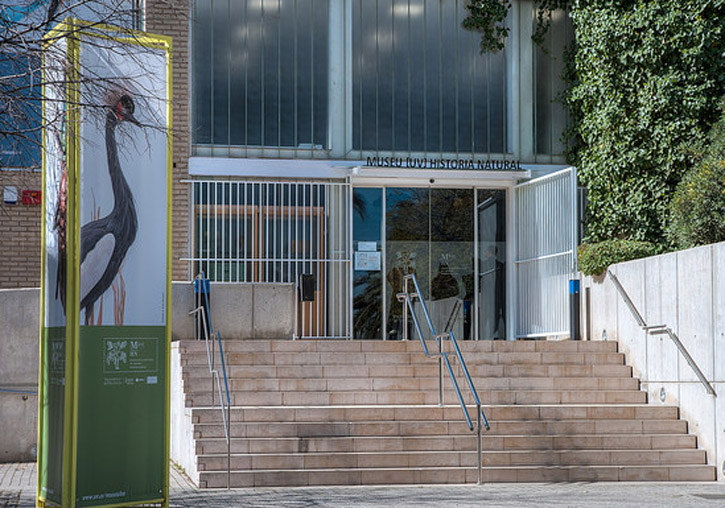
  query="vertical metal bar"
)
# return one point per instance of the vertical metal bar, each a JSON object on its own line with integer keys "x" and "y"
{"x": 440, "y": 372}
{"x": 307, "y": 305}
{"x": 476, "y": 268}
{"x": 392, "y": 77}
{"x": 409, "y": 88}
{"x": 275, "y": 256}
{"x": 279, "y": 81}
{"x": 295, "y": 105}
{"x": 312, "y": 77}
{"x": 348, "y": 260}
{"x": 229, "y": 80}
{"x": 211, "y": 73}
{"x": 478, "y": 445}
{"x": 207, "y": 209}
{"x": 229, "y": 444}
{"x": 288, "y": 208}
{"x": 246, "y": 94}
{"x": 247, "y": 267}
{"x": 383, "y": 282}
{"x": 261, "y": 74}
{"x": 322, "y": 266}
{"x": 456, "y": 80}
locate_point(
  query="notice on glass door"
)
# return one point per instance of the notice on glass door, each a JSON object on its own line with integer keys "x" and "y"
{"x": 366, "y": 261}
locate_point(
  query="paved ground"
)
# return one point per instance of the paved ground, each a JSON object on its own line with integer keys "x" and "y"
{"x": 17, "y": 489}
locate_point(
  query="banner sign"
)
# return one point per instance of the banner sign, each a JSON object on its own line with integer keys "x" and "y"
{"x": 104, "y": 400}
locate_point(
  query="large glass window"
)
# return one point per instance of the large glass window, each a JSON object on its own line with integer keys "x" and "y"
{"x": 420, "y": 83}
{"x": 260, "y": 73}
{"x": 551, "y": 115}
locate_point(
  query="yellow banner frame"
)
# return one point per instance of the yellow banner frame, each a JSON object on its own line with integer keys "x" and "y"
{"x": 71, "y": 31}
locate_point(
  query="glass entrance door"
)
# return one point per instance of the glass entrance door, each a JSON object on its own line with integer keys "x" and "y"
{"x": 429, "y": 232}
{"x": 432, "y": 233}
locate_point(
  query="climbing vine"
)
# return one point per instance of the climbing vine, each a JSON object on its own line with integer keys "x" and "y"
{"x": 644, "y": 80}
{"x": 488, "y": 17}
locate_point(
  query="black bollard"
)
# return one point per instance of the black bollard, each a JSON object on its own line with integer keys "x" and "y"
{"x": 574, "y": 309}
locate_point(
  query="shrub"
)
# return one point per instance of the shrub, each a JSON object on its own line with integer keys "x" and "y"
{"x": 595, "y": 258}
{"x": 698, "y": 206}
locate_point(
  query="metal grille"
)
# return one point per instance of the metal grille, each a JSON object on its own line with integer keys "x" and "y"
{"x": 274, "y": 232}
{"x": 546, "y": 244}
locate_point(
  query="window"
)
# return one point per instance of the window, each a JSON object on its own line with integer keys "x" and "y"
{"x": 420, "y": 83}
{"x": 358, "y": 78}
{"x": 260, "y": 73}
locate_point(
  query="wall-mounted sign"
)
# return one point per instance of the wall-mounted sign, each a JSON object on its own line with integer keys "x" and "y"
{"x": 426, "y": 163}
{"x": 32, "y": 197}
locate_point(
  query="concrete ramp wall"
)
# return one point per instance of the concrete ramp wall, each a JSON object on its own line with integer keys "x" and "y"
{"x": 239, "y": 311}
{"x": 686, "y": 291}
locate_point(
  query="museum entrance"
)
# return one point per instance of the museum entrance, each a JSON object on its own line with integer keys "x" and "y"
{"x": 453, "y": 240}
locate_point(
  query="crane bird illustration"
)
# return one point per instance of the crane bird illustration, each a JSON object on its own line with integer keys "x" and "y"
{"x": 105, "y": 242}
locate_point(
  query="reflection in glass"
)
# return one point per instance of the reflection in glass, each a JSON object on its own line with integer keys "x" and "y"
{"x": 429, "y": 232}
{"x": 420, "y": 82}
{"x": 492, "y": 264}
{"x": 367, "y": 280}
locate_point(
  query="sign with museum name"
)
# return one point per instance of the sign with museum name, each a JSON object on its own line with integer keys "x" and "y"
{"x": 426, "y": 163}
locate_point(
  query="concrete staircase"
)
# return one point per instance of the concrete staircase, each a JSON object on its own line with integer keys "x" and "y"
{"x": 366, "y": 412}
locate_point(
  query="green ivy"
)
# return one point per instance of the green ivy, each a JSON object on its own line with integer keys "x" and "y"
{"x": 488, "y": 17}
{"x": 644, "y": 79}
{"x": 646, "y": 73}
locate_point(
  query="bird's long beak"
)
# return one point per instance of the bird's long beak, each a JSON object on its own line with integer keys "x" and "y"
{"x": 132, "y": 119}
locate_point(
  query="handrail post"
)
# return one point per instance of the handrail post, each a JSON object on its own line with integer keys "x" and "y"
{"x": 480, "y": 454}
{"x": 440, "y": 373}
{"x": 405, "y": 316}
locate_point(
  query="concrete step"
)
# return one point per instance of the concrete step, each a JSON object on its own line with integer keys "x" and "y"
{"x": 464, "y": 442}
{"x": 416, "y": 459}
{"x": 495, "y": 397}
{"x": 438, "y": 475}
{"x": 370, "y": 384}
{"x": 429, "y": 369}
{"x": 439, "y": 428}
{"x": 297, "y": 346}
{"x": 433, "y": 413}
{"x": 414, "y": 359}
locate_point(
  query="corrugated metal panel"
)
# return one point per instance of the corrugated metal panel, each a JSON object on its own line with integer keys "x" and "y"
{"x": 546, "y": 243}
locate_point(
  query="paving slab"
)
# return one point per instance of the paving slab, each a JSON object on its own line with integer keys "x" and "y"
{"x": 18, "y": 484}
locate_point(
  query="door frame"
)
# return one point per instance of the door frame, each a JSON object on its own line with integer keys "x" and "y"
{"x": 451, "y": 179}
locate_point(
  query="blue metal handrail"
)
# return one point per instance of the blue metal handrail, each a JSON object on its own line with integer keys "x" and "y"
{"x": 407, "y": 298}
{"x": 211, "y": 356}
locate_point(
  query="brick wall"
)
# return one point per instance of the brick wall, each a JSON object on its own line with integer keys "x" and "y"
{"x": 20, "y": 234}
{"x": 171, "y": 18}
{"x": 20, "y": 224}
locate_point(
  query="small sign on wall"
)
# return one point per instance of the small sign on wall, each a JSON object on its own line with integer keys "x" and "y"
{"x": 10, "y": 195}
{"x": 32, "y": 197}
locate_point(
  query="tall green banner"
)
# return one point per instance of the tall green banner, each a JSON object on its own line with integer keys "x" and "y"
{"x": 105, "y": 332}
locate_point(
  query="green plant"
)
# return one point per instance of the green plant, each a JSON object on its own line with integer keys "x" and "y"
{"x": 646, "y": 73}
{"x": 488, "y": 17}
{"x": 698, "y": 206}
{"x": 595, "y": 258}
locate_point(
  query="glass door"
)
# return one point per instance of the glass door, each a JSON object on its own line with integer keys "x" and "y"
{"x": 429, "y": 232}
{"x": 491, "y": 264}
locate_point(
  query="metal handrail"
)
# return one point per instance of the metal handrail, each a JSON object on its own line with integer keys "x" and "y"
{"x": 406, "y": 297}
{"x": 660, "y": 330}
{"x": 216, "y": 381}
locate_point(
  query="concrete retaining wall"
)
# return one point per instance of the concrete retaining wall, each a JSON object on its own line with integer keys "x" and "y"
{"x": 239, "y": 311}
{"x": 18, "y": 374}
{"x": 686, "y": 291}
